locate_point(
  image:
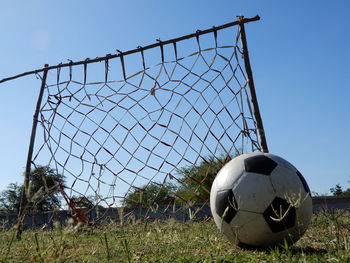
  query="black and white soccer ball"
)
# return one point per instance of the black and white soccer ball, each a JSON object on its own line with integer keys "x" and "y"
{"x": 260, "y": 200}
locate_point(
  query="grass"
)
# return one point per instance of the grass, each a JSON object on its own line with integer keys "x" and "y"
{"x": 327, "y": 240}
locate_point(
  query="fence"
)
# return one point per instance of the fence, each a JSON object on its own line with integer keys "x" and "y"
{"x": 131, "y": 214}
{"x": 331, "y": 202}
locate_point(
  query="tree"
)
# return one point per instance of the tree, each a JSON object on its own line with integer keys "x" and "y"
{"x": 45, "y": 188}
{"x": 194, "y": 185}
{"x": 196, "y": 180}
{"x": 151, "y": 194}
{"x": 88, "y": 202}
{"x": 10, "y": 198}
{"x": 43, "y": 194}
{"x": 338, "y": 191}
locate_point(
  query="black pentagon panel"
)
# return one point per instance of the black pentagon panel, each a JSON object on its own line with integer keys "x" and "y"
{"x": 303, "y": 181}
{"x": 278, "y": 217}
{"x": 260, "y": 164}
{"x": 226, "y": 205}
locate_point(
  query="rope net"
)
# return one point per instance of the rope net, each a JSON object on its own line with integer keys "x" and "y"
{"x": 144, "y": 134}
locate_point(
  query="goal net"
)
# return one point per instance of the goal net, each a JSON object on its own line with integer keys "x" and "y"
{"x": 143, "y": 133}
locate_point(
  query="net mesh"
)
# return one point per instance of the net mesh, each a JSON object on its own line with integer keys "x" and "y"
{"x": 147, "y": 131}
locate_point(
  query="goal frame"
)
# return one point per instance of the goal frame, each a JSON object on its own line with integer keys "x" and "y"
{"x": 250, "y": 81}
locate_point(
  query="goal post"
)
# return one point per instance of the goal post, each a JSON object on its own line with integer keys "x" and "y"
{"x": 146, "y": 129}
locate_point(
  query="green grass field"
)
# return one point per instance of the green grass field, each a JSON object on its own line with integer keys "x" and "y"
{"x": 327, "y": 240}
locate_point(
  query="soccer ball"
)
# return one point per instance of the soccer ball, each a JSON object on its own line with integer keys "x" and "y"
{"x": 260, "y": 200}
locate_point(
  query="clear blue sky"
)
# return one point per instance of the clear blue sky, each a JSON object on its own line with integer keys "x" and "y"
{"x": 299, "y": 52}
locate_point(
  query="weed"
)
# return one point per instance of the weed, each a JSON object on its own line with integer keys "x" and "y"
{"x": 327, "y": 240}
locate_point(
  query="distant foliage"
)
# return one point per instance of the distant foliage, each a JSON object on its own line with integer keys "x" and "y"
{"x": 196, "y": 180}
{"x": 194, "y": 185}
{"x": 10, "y": 198}
{"x": 44, "y": 189}
{"x": 43, "y": 194}
{"x": 151, "y": 195}
{"x": 338, "y": 191}
{"x": 83, "y": 202}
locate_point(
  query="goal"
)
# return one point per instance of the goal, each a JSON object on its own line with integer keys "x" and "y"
{"x": 141, "y": 134}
